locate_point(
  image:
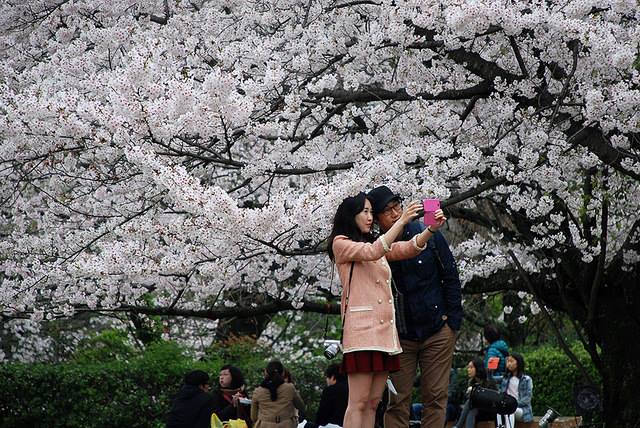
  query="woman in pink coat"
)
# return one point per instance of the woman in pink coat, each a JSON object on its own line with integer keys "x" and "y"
{"x": 370, "y": 340}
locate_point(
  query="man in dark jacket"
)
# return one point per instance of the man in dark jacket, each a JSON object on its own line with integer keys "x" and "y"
{"x": 335, "y": 397}
{"x": 193, "y": 405}
{"x": 428, "y": 316}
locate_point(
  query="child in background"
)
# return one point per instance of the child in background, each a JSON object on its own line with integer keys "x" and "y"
{"x": 519, "y": 386}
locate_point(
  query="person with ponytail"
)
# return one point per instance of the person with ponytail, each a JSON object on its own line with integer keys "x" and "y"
{"x": 370, "y": 342}
{"x": 274, "y": 402}
{"x": 477, "y": 377}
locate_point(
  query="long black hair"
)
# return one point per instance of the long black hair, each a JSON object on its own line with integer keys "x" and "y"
{"x": 491, "y": 333}
{"x": 481, "y": 372}
{"x": 520, "y": 360}
{"x": 237, "y": 379}
{"x": 344, "y": 222}
{"x": 273, "y": 378}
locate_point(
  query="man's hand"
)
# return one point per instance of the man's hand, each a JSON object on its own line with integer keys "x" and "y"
{"x": 440, "y": 220}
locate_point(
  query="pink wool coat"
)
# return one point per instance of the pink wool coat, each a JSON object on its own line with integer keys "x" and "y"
{"x": 369, "y": 321}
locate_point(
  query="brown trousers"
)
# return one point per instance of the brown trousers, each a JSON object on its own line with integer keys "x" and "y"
{"x": 434, "y": 356}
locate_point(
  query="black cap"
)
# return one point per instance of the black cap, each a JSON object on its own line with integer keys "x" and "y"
{"x": 380, "y": 197}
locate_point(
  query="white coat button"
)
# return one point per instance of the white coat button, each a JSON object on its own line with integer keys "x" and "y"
{"x": 379, "y": 301}
{"x": 391, "y": 321}
{"x": 388, "y": 281}
{"x": 377, "y": 281}
{"x": 390, "y": 301}
{"x": 381, "y": 321}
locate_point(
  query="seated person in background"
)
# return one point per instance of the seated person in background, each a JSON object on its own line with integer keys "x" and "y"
{"x": 496, "y": 348}
{"x": 274, "y": 402}
{"x": 454, "y": 396}
{"x": 453, "y": 401}
{"x": 193, "y": 405}
{"x": 477, "y": 377}
{"x": 519, "y": 386}
{"x": 335, "y": 397}
{"x": 230, "y": 390}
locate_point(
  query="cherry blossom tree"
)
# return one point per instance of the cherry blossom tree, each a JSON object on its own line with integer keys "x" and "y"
{"x": 184, "y": 158}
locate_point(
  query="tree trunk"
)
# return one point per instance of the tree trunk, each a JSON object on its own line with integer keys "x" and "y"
{"x": 619, "y": 331}
{"x": 241, "y": 327}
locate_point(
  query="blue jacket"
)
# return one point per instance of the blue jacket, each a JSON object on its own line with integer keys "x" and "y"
{"x": 525, "y": 392}
{"x": 430, "y": 285}
{"x": 499, "y": 349}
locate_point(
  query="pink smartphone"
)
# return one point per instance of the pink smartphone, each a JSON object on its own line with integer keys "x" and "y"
{"x": 430, "y": 208}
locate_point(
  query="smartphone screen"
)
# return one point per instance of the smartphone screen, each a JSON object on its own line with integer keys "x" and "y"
{"x": 430, "y": 208}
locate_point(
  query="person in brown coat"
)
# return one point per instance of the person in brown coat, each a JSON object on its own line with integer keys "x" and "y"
{"x": 274, "y": 402}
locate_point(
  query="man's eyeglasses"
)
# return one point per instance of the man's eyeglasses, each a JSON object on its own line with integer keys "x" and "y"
{"x": 397, "y": 207}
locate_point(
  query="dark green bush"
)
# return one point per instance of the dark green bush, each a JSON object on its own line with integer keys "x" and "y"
{"x": 555, "y": 378}
{"x": 118, "y": 393}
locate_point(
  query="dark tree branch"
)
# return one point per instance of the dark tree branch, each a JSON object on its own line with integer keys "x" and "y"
{"x": 319, "y": 129}
{"x": 341, "y": 96}
{"x": 593, "y": 140}
{"x": 162, "y": 20}
{"x": 561, "y": 341}
{"x": 479, "y": 66}
{"x": 490, "y": 184}
{"x": 352, "y": 3}
{"x": 565, "y": 87}
{"x": 233, "y": 312}
{"x": 516, "y": 52}
{"x": 599, "y": 275}
{"x": 97, "y": 238}
{"x": 469, "y": 108}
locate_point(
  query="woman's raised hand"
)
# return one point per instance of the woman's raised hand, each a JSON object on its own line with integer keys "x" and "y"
{"x": 410, "y": 212}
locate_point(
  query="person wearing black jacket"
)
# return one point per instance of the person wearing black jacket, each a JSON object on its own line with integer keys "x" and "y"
{"x": 428, "y": 316}
{"x": 231, "y": 388}
{"x": 193, "y": 405}
{"x": 334, "y": 399}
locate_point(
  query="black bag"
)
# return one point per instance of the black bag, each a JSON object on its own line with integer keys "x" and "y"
{"x": 398, "y": 304}
{"x": 492, "y": 400}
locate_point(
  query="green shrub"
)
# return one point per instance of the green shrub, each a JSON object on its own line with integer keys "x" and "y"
{"x": 106, "y": 346}
{"x": 129, "y": 393}
{"x": 110, "y": 384}
{"x": 555, "y": 378}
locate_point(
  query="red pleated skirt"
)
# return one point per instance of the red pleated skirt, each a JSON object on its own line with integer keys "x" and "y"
{"x": 369, "y": 361}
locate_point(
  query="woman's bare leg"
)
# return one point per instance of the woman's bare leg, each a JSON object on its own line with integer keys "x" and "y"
{"x": 375, "y": 394}
{"x": 359, "y": 392}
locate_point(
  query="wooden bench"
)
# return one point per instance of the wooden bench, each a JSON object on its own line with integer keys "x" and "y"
{"x": 561, "y": 422}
